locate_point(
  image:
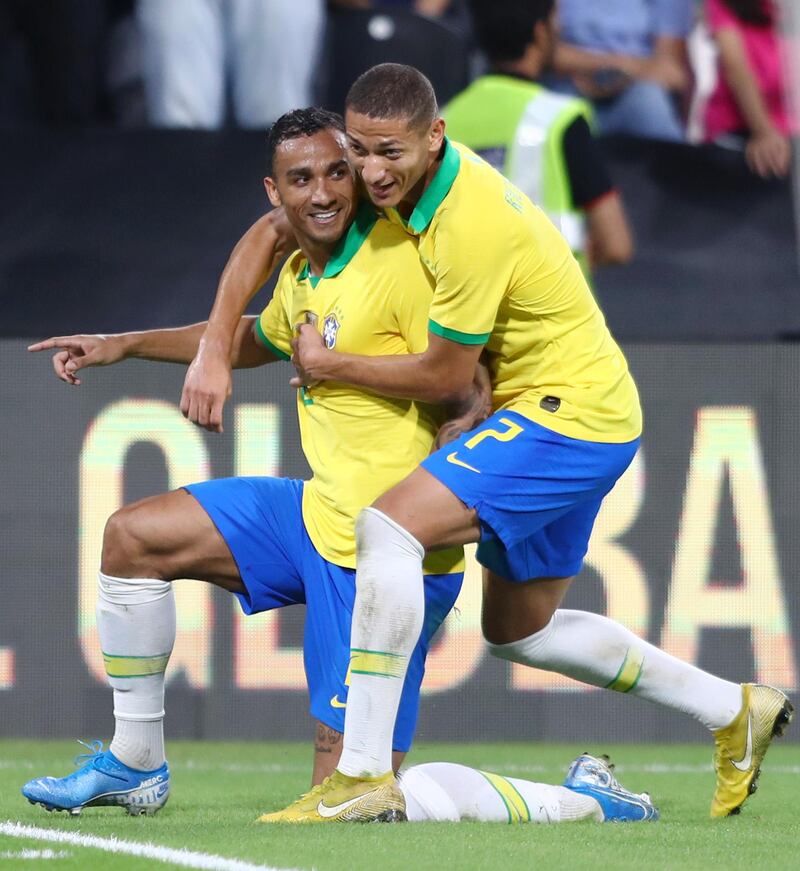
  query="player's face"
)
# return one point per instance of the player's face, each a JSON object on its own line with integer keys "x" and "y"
{"x": 392, "y": 158}
{"x": 314, "y": 183}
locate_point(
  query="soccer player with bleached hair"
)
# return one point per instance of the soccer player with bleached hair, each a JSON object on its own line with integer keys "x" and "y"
{"x": 526, "y": 485}
{"x": 272, "y": 541}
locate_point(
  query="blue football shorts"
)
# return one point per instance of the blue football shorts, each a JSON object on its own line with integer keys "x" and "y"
{"x": 261, "y": 521}
{"x": 536, "y": 493}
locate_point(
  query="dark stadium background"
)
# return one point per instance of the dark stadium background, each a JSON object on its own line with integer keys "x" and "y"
{"x": 107, "y": 231}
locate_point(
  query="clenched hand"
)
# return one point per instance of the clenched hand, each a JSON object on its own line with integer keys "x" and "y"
{"x": 206, "y": 388}
{"x": 308, "y": 356}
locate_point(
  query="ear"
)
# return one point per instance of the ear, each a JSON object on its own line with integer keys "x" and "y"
{"x": 272, "y": 191}
{"x": 436, "y": 135}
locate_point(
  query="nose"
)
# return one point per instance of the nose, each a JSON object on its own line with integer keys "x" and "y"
{"x": 321, "y": 194}
{"x": 373, "y": 169}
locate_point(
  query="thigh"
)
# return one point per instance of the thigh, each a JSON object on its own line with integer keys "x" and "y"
{"x": 525, "y": 583}
{"x": 260, "y": 520}
{"x": 168, "y": 536}
{"x": 554, "y": 551}
{"x": 430, "y": 511}
{"x": 519, "y": 477}
{"x": 643, "y": 109}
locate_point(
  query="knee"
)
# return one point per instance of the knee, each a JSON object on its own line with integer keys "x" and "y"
{"x": 655, "y": 112}
{"x": 389, "y": 565}
{"x": 648, "y": 97}
{"x": 497, "y": 630}
{"x": 377, "y": 535}
{"x": 126, "y": 550}
{"x": 512, "y": 612}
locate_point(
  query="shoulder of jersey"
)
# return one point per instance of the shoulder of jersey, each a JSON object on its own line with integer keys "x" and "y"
{"x": 476, "y": 168}
{"x": 387, "y": 236}
{"x": 479, "y": 179}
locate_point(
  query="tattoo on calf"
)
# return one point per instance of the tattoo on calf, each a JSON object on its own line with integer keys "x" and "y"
{"x": 326, "y": 738}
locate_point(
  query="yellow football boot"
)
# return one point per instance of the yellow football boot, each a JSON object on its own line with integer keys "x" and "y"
{"x": 340, "y": 798}
{"x": 741, "y": 747}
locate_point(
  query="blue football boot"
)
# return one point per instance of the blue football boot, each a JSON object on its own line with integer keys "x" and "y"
{"x": 590, "y": 775}
{"x": 101, "y": 780}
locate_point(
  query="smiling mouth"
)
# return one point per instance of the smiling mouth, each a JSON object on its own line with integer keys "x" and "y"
{"x": 324, "y": 218}
{"x": 382, "y": 190}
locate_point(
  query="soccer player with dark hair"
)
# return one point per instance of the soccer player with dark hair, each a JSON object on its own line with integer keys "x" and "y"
{"x": 269, "y": 541}
{"x": 526, "y": 485}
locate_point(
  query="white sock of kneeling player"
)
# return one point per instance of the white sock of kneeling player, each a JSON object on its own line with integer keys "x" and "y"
{"x": 446, "y": 792}
{"x": 387, "y": 620}
{"x": 593, "y": 649}
{"x": 136, "y": 625}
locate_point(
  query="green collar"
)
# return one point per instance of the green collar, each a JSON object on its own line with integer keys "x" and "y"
{"x": 347, "y": 246}
{"x": 437, "y": 190}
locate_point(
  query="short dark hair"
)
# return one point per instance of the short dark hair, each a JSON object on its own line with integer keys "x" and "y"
{"x": 394, "y": 91}
{"x": 504, "y": 28}
{"x": 297, "y": 123}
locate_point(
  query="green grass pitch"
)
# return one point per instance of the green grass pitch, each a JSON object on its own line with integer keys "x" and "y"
{"x": 219, "y": 790}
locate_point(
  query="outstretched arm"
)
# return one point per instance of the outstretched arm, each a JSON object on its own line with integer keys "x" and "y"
{"x": 208, "y": 380}
{"x": 178, "y": 345}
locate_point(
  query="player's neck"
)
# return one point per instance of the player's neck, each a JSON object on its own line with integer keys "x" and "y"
{"x": 317, "y": 253}
{"x": 409, "y": 202}
{"x": 529, "y": 66}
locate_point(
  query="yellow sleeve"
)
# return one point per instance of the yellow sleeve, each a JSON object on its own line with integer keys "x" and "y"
{"x": 272, "y": 327}
{"x": 473, "y": 266}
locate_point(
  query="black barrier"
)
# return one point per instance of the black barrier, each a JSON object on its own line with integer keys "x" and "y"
{"x": 696, "y": 549}
{"x": 105, "y": 231}
{"x": 716, "y": 255}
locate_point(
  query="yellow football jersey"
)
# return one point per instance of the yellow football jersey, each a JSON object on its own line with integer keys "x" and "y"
{"x": 372, "y": 299}
{"x": 506, "y": 278}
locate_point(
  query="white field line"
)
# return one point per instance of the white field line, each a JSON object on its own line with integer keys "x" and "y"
{"x": 185, "y": 858}
{"x": 36, "y": 854}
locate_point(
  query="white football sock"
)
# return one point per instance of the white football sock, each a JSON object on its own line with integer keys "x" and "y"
{"x": 387, "y": 619}
{"x": 136, "y": 625}
{"x": 600, "y": 652}
{"x": 446, "y": 792}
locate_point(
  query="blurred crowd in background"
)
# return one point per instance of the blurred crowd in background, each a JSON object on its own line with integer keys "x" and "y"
{"x": 677, "y": 70}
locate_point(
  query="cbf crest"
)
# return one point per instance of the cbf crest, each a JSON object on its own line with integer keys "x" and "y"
{"x": 330, "y": 329}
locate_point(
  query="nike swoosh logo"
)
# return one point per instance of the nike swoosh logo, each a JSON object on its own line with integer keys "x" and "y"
{"x": 452, "y": 458}
{"x": 327, "y": 812}
{"x": 744, "y": 763}
{"x": 335, "y": 703}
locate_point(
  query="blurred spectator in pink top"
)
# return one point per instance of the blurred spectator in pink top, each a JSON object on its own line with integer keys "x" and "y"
{"x": 749, "y": 100}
